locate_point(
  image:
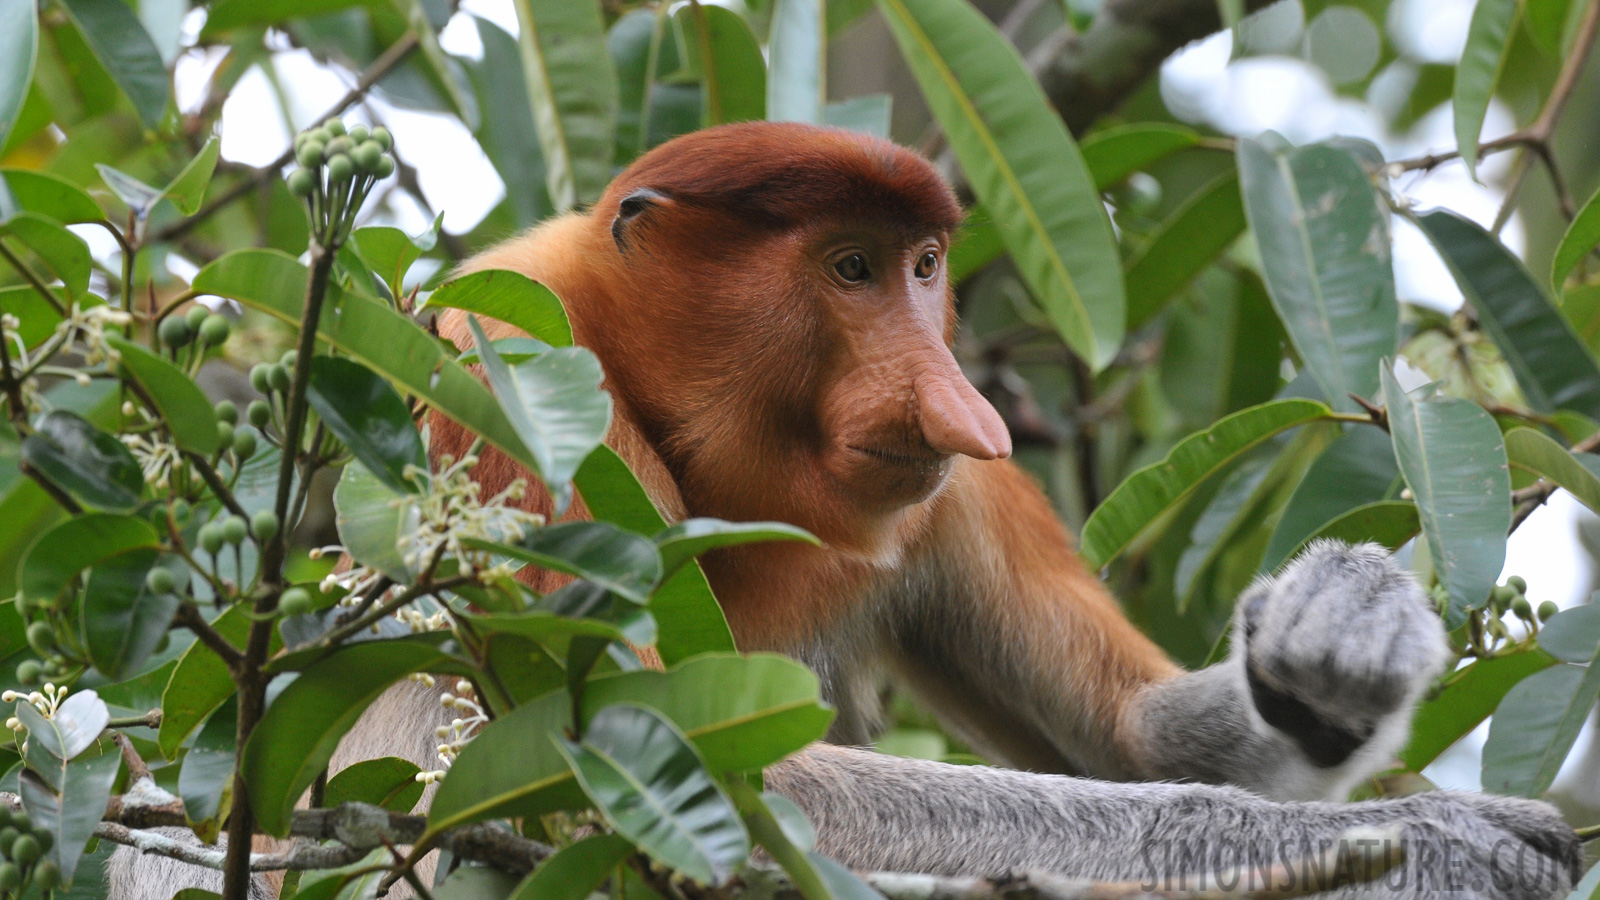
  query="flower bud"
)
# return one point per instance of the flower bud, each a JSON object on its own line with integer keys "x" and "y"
{"x": 340, "y": 168}
{"x": 261, "y": 377}
{"x": 210, "y": 537}
{"x": 235, "y": 530}
{"x": 383, "y": 137}
{"x": 334, "y": 126}
{"x": 264, "y": 525}
{"x": 214, "y": 330}
{"x": 195, "y": 316}
{"x": 309, "y": 155}
{"x": 278, "y": 377}
{"x": 259, "y": 413}
{"x": 225, "y": 433}
{"x": 174, "y": 332}
{"x": 244, "y": 442}
{"x": 366, "y": 155}
{"x": 1516, "y": 583}
{"x": 227, "y": 411}
{"x": 385, "y": 167}
{"x": 1547, "y": 610}
{"x": 302, "y": 182}
{"x": 296, "y": 601}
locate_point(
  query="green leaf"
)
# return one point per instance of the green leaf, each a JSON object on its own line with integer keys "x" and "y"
{"x": 1148, "y": 493}
{"x": 120, "y": 42}
{"x": 86, "y": 462}
{"x": 1531, "y": 451}
{"x": 140, "y": 197}
{"x": 1115, "y": 153}
{"x": 122, "y": 619}
{"x": 301, "y": 729}
{"x": 511, "y": 297}
{"x": 1388, "y": 522}
{"x": 574, "y": 94}
{"x": 691, "y": 621}
{"x": 517, "y": 772}
{"x": 200, "y": 683}
{"x": 734, "y": 83}
{"x": 1196, "y": 232}
{"x": 843, "y": 884}
{"x": 363, "y": 411}
{"x": 1324, "y": 241}
{"x": 769, "y": 834}
{"x": 369, "y": 332}
{"x": 1581, "y": 237}
{"x": 689, "y": 538}
{"x": 184, "y": 408}
{"x": 19, "y": 49}
{"x": 1478, "y": 73}
{"x": 1553, "y": 367}
{"x": 1022, "y": 165}
{"x": 371, "y": 518}
{"x": 1454, "y": 460}
{"x": 1356, "y": 470}
{"x": 506, "y": 131}
{"x": 1572, "y": 635}
{"x": 206, "y": 780}
{"x": 64, "y": 255}
{"x": 389, "y": 782}
{"x": 576, "y": 870}
{"x": 797, "y": 87}
{"x": 870, "y": 114}
{"x": 1535, "y": 726}
{"x": 69, "y": 733}
{"x": 231, "y": 15}
{"x": 188, "y": 189}
{"x": 653, "y": 788}
{"x": 51, "y": 195}
{"x": 390, "y": 251}
{"x": 656, "y": 103}
{"x": 975, "y": 245}
{"x": 71, "y": 809}
{"x": 555, "y": 403}
{"x": 76, "y": 544}
{"x": 1466, "y": 698}
{"x": 615, "y": 559}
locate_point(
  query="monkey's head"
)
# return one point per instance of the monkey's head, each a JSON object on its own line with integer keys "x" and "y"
{"x": 787, "y": 310}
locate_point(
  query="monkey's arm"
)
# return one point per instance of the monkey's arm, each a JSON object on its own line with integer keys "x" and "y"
{"x": 881, "y": 813}
{"x": 1030, "y": 658}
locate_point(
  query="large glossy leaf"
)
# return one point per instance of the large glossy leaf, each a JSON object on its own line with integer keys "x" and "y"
{"x": 71, "y": 808}
{"x": 688, "y": 539}
{"x": 1467, "y": 697}
{"x": 615, "y": 559}
{"x": 1531, "y": 451}
{"x": 206, "y": 780}
{"x": 1579, "y": 241}
{"x": 19, "y": 48}
{"x": 295, "y": 739}
{"x": 122, "y": 619}
{"x": 1572, "y": 635}
{"x": 1115, "y": 153}
{"x": 723, "y": 51}
{"x": 1355, "y": 470}
{"x": 388, "y": 781}
{"x": 228, "y": 15}
{"x": 1223, "y": 350}
{"x": 390, "y": 252}
{"x": 1185, "y": 243}
{"x": 797, "y": 83}
{"x": 61, "y": 255}
{"x": 1148, "y": 493}
{"x": 656, "y": 103}
{"x": 768, "y": 833}
{"x": 1535, "y": 726}
{"x": 869, "y": 114}
{"x": 370, "y": 332}
{"x": 1482, "y": 60}
{"x": 200, "y": 683}
{"x": 1553, "y": 367}
{"x": 1454, "y": 460}
{"x": 653, "y": 788}
{"x": 76, "y": 544}
{"x": 371, "y": 518}
{"x": 120, "y": 42}
{"x": 1022, "y": 165}
{"x": 184, "y": 408}
{"x": 574, "y": 94}
{"x": 691, "y": 621}
{"x": 517, "y": 771}
{"x": 506, "y": 130}
{"x": 576, "y": 869}
{"x": 511, "y": 297}
{"x": 188, "y": 188}
{"x": 1390, "y": 523}
{"x": 363, "y": 411}
{"x": 50, "y": 195}
{"x": 1324, "y": 241}
{"x": 555, "y": 403}
{"x": 83, "y": 460}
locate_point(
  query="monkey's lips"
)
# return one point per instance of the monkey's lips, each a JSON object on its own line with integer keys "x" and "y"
{"x": 893, "y": 476}
{"x": 901, "y": 456}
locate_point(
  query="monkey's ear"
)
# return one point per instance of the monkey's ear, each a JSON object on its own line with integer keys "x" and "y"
{"x": 637, "y": 203}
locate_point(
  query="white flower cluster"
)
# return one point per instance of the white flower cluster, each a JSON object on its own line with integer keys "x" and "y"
{"x": 459, "y": 732}
{"x": 157, "y": 456}
{"x": 88, "y": 327}
{"x": 46, "y": 700}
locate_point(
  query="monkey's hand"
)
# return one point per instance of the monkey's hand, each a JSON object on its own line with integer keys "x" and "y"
{"x": 1337, "y": 649}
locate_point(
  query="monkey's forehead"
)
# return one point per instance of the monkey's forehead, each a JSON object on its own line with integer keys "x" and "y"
{"x": 784, "y": 174}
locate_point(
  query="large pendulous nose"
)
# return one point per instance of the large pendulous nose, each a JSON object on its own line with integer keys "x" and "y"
{"x": 955, "y": 418}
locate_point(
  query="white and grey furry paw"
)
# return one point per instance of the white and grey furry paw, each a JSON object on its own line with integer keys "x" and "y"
{"x": 1480, "y": 846}
{"x": 1336, "y": 645}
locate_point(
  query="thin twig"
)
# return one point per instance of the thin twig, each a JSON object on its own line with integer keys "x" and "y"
{"x": 1536, "y": 495}
{"x": 32, "y": 279}
{"x": 137, "y": 768}
{"x": 189, "y": 617}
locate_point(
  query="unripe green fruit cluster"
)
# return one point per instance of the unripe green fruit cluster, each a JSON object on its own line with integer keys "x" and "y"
{"x": 345, "y": 153}
{"x": 198, "y": 322}
{"x": 23, "y": 847}
{"x": 1512, "y": 596}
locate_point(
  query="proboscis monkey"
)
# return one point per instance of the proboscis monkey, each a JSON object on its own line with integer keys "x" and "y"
{"x": 770, "y": 305}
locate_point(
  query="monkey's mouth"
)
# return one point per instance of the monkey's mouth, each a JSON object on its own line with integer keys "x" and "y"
{"x": 902, "y": 457}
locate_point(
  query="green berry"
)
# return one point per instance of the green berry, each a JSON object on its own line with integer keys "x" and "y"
{"x": 339, "y": 145}
{"x": 214, "y": 330}
{"x": 26, "y": 850}
{"x": 29, "y": 671}
{"x": 43, "y": 836}
{"x": 46, "y": 876}
{"x": 367, "y": 155}
{"x": 358, "y": 133}
{"x": 225, "y": 434}
{"x": 10, "y": 876}
{"x": 278, "y": 377}
{"x": 5, "y": 816}
{"x": 1500, "y": 598}
{"x": 1547, "y": 610}
{"x": 195, "y": 316}
{"x": 340, "y": 168}
{"x": 296, "y": 601}
{"x": 21, "y": 821}
{"x": 210, "y": 537}
{"x": 227, "y": 411}
{"x": 334, "y": 126}
{"x": 309, "y": 156}
{"x": 174, "y": 332}
{"x": 383, "y": 137}
{"x": 42, "y": 637}
{"x": 244, "y": 442}
{"x": 385, "y": 167}
{"x": 261, "y": 377}
{"x": 288, "y": 359}
{"x": 259, "y": 413}
{"x": 180, "y": 511}
{"x": 302, "y": 182}
{"x": 161, "y": 581}
{"x": 1522, "y": 608}
{"x": 235, "y": 530}
{"x": 264, "y": 525}
{"x": 8, "y": 837}
{"x": 1516, "y": 583}
{"x": 320, "y": 135}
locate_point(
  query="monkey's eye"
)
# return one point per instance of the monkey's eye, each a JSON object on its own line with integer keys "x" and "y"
{"x": 852, "y": 268}
{"x": 927, "y": 264}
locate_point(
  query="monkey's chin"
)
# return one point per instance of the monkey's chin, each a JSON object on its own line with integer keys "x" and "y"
{"x": 887, "y": 479}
